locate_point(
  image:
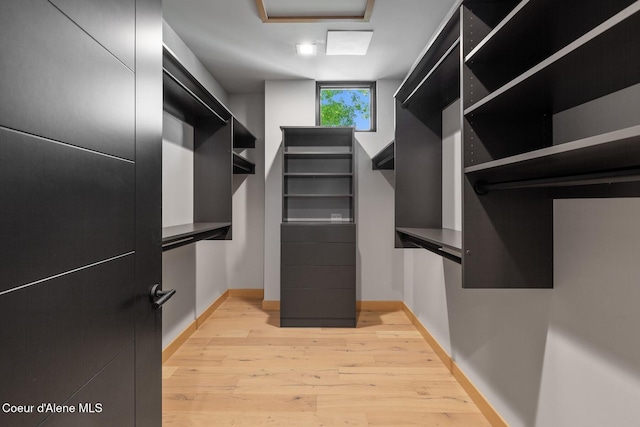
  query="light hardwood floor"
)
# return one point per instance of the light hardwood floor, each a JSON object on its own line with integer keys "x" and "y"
{"x": 241, "y": 369}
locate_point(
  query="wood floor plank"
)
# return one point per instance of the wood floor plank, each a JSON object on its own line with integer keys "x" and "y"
{"x": 240, "y": 368}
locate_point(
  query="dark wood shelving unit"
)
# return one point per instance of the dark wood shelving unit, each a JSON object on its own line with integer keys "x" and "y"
{"x": 180, "y": 235}
{"x": 385, "y": 159}
{"x": 318, "y": 273}
{"x": 432, "y": 85}
{"x": 539, "y": 66}
{"x": 216, "y": 134}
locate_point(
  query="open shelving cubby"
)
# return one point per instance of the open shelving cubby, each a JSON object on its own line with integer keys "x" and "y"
{"x": 385, "y": 159}
{"x": 242, "y": 139}
{"x": 216, "y": 132}
{"x": 431, "y": 86}
{"x": 544, "y": 117}
{"x": 318, "y": 174}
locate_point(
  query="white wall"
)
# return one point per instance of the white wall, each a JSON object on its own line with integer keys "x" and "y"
{"x": 568, "y": 356}
{"x": 286, "y": 103}
{"x": 379, "y": 264}
{"x": 292, "y": 103}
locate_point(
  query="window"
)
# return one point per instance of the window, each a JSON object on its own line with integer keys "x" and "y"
{"x": 346, "y": 104}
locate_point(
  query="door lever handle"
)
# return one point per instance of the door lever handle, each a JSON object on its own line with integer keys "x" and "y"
{"x": 159, "y": 297}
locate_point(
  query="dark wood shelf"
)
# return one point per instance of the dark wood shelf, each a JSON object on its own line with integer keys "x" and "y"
{"x": 442, "y": 241}
{"x": 185, "y": 97}
{"x": 531, "y": 32}
{"x": 439, "y": 88}
{"x": 612, "y": 151}
{"x": 180, "y": 235}
{"x": 437, "y": 51}
{"x": 242, "y": 137}
{"x": 385, "y": 159}
{"x": 242, "y": 165}
{"x": 318, "y": 195}
{"x": 319, "y": 174}
{"x": 319, "y": 154}
{"x": 570, "y": 76}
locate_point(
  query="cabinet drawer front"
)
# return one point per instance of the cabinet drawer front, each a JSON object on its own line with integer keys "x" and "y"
{"x": 319, "y": 277}
{"x": 319, "y": 233}
{"x": 318, "y": 254}
{"x": 318, "y": 303}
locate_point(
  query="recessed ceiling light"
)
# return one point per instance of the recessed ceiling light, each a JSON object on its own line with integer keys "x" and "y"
{"x": 348, "y": 42}
{"x": 306, "y": 49}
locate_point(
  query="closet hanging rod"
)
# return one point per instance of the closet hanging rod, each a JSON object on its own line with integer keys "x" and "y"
{"x": 436, "y": 249}
{"x": 385, "y": 160}
{"x": 433, "y": 69}
{"x": 610, "y": 177}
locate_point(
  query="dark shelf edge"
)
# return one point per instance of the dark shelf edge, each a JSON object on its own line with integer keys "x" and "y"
{"x": 497, "y": 29}
{"x": 223, "y": 114}
{"x": 428, "y": 239}
{"x": 243, "y": 166}
{"x": 244, "y": 134}
{"x": 317, "y": 195}
{"x": 319, "y": 175}
{"x": 433, "y": 70}
{"x": 203, "y": 232}
{"x": 385, "y": 159}
{"x": 451, "y": 14}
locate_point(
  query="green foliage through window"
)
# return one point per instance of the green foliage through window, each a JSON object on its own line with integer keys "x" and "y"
{"x": 344, "y": 106}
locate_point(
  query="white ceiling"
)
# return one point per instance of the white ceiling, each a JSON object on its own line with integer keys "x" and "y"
{"x": 241, "y": 52}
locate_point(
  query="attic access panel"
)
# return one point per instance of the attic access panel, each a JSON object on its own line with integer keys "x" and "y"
{"x": 296, "y": 11}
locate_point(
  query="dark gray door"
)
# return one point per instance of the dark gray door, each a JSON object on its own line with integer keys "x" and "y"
{"x": 80, "y": 165}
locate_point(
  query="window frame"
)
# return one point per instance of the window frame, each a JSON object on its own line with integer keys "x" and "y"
{"x": 373, "y": 119}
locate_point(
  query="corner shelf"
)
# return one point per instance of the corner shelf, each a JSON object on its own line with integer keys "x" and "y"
{"x": 441, "y": 241}
{"x": 385, "y": 159}
{"x": 561, "y": 81}
{"x": 184, "y": 95}
{"x": 180, "y": 235}
{"x": 242, "y": 137}
{"x": 512, "y": 37}
{"x": 243, "y": 166}
{"x": 606, "y": 156}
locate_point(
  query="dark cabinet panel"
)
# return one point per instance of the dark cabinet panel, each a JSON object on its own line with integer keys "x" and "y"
{"x": 107, "y": 400}
{"x": 59, "y": 83}
{"x": 212, "y": 173}
{"x": 318, "y": 304}
{"x": 318, "y": 254}
{"x": 62, "y": 208}
{"x": 293, "y": 232}
{"x": 69, "y": 328}
{"x": 111, "y": 23}
{"x": 318, "y": 276}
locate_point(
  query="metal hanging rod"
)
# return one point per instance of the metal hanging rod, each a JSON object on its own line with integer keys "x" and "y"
{"x": 610, "y": 177}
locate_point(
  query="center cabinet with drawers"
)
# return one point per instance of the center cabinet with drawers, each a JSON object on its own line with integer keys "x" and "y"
{"x": 318, "y": 232}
